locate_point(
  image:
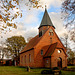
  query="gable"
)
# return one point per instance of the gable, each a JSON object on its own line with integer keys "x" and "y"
{"x": 50, "y": 50}
{"x": 48, "y": 39}
{"x": 39, "y": 42}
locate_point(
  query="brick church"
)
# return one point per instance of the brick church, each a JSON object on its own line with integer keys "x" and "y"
{"x": 45, "y": 49}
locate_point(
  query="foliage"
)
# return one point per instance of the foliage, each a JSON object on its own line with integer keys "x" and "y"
{"x": 15, "y": 44}
{"x": 68, "y": 10}
{"x": 10, "y": 10}
{"x": 55, "y": 68}
{"x": 71, "y": 54}
{"x": 3, "y": 50}
{"x": 47, "y": 71}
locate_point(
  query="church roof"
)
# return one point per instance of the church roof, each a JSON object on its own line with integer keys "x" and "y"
{"x": 31, "y": 43}
{"x": 50, "y": 50}
{"x": 46, "y": 21}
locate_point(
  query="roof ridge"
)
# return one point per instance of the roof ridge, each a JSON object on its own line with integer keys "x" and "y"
{"x": 49, "y": 47}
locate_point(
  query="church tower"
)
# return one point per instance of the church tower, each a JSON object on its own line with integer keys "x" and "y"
{"x": 45, "y": 23}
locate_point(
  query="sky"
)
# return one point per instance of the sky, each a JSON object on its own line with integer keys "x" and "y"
{"x": 27, "y": 26}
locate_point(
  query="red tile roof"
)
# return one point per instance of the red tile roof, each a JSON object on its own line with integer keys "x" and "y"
{"x": 31, "y": 43}
{"x": 50, "y": 50}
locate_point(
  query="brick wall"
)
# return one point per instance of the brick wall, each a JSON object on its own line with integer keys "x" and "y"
{"x": 25, "y": 62}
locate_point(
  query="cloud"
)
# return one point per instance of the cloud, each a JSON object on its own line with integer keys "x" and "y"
{"x": 58, "y": 23}
{"x": 28, "y": 24}
{"x": 49, "y": 3}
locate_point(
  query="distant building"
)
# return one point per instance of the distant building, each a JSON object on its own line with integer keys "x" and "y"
{"x": 45, "y": 49}
{"x": 2, "y": 55}
{"x": 3, "y": 59}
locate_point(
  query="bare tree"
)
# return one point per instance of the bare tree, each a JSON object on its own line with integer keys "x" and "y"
{"x": 7, "y": 14}
{"x": 68, "y": 11}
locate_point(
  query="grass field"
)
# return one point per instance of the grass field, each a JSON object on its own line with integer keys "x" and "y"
{"x": 11, "y": 70}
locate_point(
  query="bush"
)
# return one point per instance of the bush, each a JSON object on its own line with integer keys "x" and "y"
{"x": 64, "y": 68}
{"x": 47, "y": 71}
{"x": 55, "y": 68}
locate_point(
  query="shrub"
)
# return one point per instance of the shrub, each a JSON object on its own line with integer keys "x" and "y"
{"x": 64, "y": 68}
{"x": 55, "y": 68}
{"x": 47, "y": 71}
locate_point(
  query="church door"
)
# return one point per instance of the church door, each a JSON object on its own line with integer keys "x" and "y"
{"x": 59, "y": 63}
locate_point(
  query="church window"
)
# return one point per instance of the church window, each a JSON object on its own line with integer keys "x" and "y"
{"x": 47, "y": 60}
{"x": 59, "y": 51}
{"x": 51, "y": 40}
{"x": 22, "y": 59}
{"x": 41, "y": 52}
{"x": 40, "y": 34}
{"x": 25, "y": 58}
{"x": 29, "y": 57}
{"x": 51, "y": 32}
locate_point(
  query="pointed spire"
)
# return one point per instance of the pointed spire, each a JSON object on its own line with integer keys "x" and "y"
{"x": 46, "y": 21}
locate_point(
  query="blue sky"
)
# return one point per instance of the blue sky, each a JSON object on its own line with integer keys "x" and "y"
{"x": 27, "y": 26}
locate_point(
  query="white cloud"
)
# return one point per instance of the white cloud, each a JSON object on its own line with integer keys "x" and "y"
{"x": 49, "y": 3}
{"x": 58, "y": 23}
{"x": 30, "y": 20}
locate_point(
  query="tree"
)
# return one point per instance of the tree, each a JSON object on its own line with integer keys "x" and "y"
{"x": 68, "y": 10}
{"x": 14, "y": 45}
{"x": 65, "y": 40}
{"x": 69, "y": 52}
{"x": 7, "y": 15}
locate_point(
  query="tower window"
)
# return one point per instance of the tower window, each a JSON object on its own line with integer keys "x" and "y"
{"x": 51, "y": 32}
{"x": 40, "y": 33}
{"x": 51, "y": 40}
{"x": 41, "y": 52}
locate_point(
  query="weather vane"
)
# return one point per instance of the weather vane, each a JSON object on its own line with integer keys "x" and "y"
{"x": 45, "y": 6}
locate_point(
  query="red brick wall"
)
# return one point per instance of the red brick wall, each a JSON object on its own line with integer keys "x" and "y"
{"x": 37, "y": 58}
{"x": 43, "y": 42}
{"x": 55, "y": 56}
{"x": 27, "y": 63}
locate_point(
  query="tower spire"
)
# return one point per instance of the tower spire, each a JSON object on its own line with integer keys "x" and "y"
{"x": 45, "y": 6}
{"x": 46, "y": 21}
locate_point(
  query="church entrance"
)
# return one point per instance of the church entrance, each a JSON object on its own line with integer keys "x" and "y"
{"x": 59, "y": 63}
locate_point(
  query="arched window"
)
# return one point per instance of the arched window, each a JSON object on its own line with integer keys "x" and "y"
{"x": 40, "y": 33}
{"x": 41, "y": 52}
{"x": 50, "y": 40}
{"x": 25, "y": 58}
{"x": 29, "y": 57}
{"x": 51, "y": 32}
{"x": 47, "y": 60}
{"x": 21, "y": 59}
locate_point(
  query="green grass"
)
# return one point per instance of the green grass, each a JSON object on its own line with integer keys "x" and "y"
{"x": 70, "y": 66}
{"x": 11, "y": 70}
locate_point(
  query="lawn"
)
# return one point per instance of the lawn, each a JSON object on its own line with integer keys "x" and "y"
{"x": 11, "y": 70}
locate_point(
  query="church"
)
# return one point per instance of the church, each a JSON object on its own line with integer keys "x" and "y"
{"x": 45, "y": 49}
